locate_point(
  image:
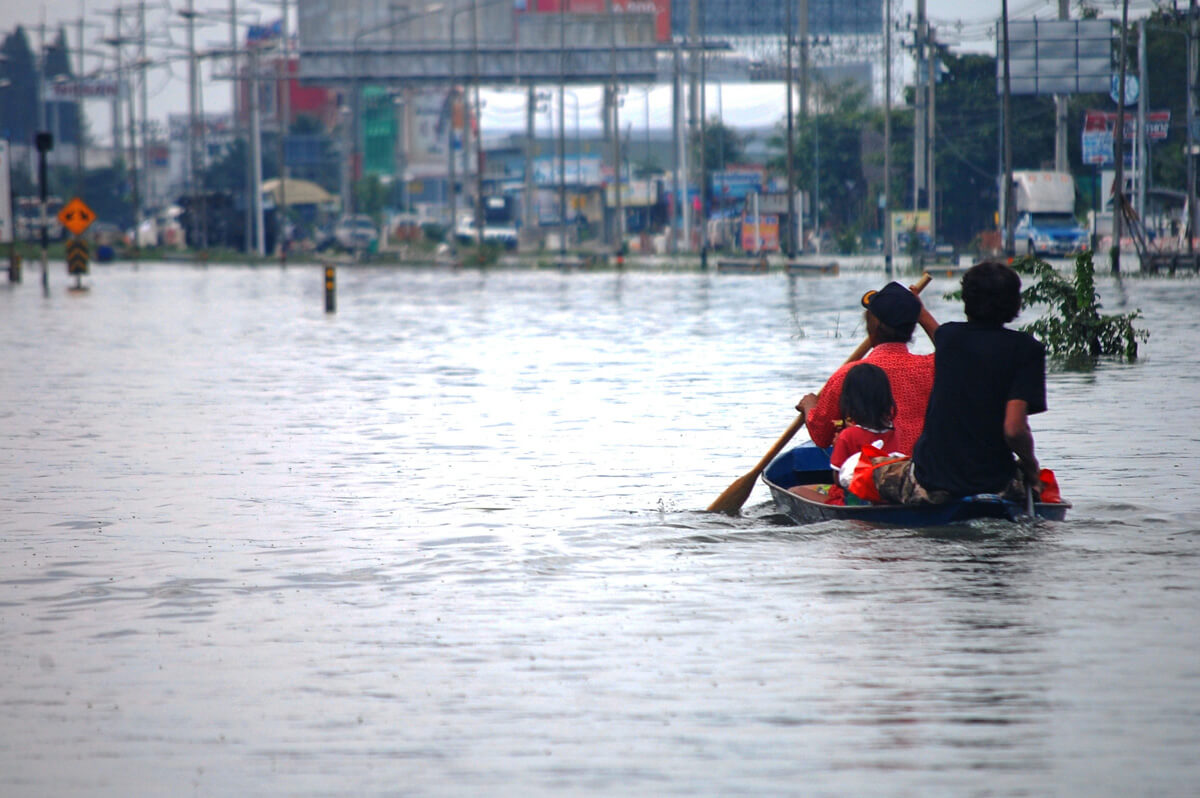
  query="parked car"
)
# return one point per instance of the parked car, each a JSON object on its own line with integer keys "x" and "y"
{"x": 356, "y": 232}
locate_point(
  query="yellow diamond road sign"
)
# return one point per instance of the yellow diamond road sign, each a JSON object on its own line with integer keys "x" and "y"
{"x": 76, "y": 216}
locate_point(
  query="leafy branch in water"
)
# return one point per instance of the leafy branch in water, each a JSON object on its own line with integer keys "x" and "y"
{"x": 1073, "y": 329}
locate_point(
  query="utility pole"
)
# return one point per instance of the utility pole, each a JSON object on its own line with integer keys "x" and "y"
{"x": 1190, "y": 226}
{"x": 789, "y": 240}
{"x": 479, "y": 212}
{"x": 931, "y": 133}
{"x": 1006, "y": 191}
{"x": 703, "y": 156}
{"x": 887, "y": 142}
{"x": 562, "y": 138}
{"x": 190, "y": 15}
{"x": 260, "y": 238}
{"x": 142, "y": 84}
{"x": 79, "y": 118}
{"x": 1060, "y": 108}
{"x": 284, "y": 85}
{"x": 920, "y": 114}
{"x": 527, "y": 217}
{"x": 803, "y": 35}
{"x": 1141, "y": 154}
{"x": 1119, "y": 146}
{"x": 135, "y": 173}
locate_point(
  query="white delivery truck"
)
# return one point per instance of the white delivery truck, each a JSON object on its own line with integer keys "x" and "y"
{"x": 1045, "y": 214}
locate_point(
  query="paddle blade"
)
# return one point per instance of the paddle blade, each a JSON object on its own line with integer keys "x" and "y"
{"x": 730, "y": 502}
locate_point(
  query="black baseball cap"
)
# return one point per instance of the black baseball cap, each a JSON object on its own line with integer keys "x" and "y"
{"x": 894, "y": 305}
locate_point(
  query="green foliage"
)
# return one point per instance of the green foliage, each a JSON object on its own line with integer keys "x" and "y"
{"x": 846, "y": 241}
{"x": 1073, "y": 329}
{"x": 722, "y": 145}
{"x": 370, "y": 196}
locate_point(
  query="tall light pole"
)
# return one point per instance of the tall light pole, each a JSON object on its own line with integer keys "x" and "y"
{"x": 562, "y": 145}
{"x": 1006, "y": 193}
{"x": 1190, "y": 227}
{"x": 1119, "y": 146}
{"x": 789, "y": 241}
{"x": 887, "y": 143}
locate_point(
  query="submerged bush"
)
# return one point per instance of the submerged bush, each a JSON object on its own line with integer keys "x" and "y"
{"x": 1073, "y": 329}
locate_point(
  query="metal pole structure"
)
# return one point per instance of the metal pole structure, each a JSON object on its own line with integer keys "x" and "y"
{"x": 1006, "y": 191}
{"x": 479, "y": 216}
{"x": 135, "y": 173}
{"x": 681, "y": 168}
{"x": 931, "y": 133}
{"x": 283, "y": 85}
{"x": 1142, "y": 173}
{"x": 612, "y": 129}
{"x": 562, "y": 142}
{"x": 260, "y": 239}
{"x": 703, "y": 156}
{"x": 455, "y": 115}
{"x": 530, "y": 132}
{"x": 44, "y": 143}
{"x": 789, "y": 240}
{"x": 803, "y": 38}
{"x": 1060, "y": 109}
{"x": 190, "y": 15}
{"x": 920, "y": 117}
{"x": 888, "y": 266}
{"x": 1119, "y": 146}
{"x": 817, "y": 179}
{"x": 1190, "y": 225}
{"x": 235, "y": 87}
{"x": 143, "y": 84}
{"x": 79, "y": 114}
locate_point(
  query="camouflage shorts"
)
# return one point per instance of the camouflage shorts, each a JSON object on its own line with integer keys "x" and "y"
{"x": 898, "y": 485}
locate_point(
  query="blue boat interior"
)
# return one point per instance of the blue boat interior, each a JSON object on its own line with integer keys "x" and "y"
{"x": 806, "y": 464}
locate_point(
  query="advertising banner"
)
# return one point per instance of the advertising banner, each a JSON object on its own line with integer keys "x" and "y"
{"x": 661, "y": 9}
{"x": 1098, "y": 127}
{"x": 760, "y": 234}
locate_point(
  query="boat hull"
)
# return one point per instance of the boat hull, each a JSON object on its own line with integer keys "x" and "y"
{"x": 809, "y": 465}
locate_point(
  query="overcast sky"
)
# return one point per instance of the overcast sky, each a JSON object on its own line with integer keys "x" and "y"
{"x": 965, "y": 24}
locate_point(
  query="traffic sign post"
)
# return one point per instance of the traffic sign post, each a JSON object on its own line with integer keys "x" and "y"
{"x": 76, "y": 216}
{"x": 77, "y": 260}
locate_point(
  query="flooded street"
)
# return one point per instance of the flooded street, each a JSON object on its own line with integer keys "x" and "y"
{"x": 449, "y": 541}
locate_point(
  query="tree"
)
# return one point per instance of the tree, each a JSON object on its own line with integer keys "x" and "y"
{"x": 722, "y": 145}
{"x": 17, "y": 123}
{"x": 828, "y": 159}
{"x": 62, "y": 117}
{"x": 967, "y": 147}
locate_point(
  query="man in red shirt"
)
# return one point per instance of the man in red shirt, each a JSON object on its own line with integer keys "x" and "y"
{"x": 891, "y": 317}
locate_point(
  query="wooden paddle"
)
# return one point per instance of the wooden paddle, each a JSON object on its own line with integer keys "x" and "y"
{"x": 731, "y": 500}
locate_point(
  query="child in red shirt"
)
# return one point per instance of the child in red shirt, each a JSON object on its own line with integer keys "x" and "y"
{"x": 867, "y": 410}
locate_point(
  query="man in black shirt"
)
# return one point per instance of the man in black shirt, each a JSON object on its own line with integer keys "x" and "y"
{"x": 987, "y": 381}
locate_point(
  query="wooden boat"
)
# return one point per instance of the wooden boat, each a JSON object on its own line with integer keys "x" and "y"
{"x": 793, "y": 478}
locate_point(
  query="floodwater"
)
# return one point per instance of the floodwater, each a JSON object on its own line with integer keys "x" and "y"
{"x": 449, "y": 541}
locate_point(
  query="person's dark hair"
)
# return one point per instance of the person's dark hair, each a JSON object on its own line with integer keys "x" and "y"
{"x": 867, "y": 397}
{"x": 886, "y": 334}
{"x": 991, "y": 292}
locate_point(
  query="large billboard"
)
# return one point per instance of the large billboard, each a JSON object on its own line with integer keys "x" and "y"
{"x": 661, "y": 9}
{"x": 1072, "y": 56}
{"x": 769, "y": 17}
